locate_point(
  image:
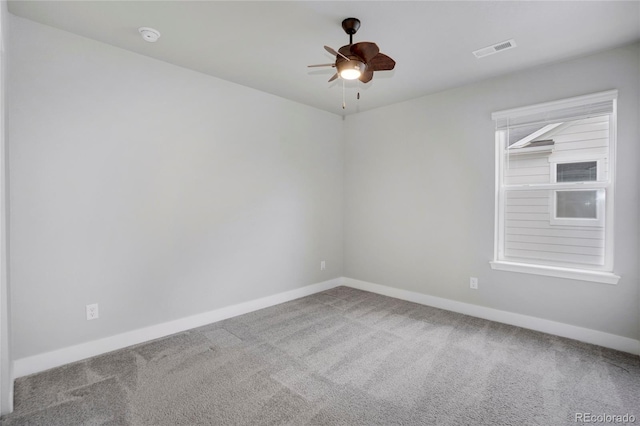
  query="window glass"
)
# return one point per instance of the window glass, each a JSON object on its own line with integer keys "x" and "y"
{"x": 577, "y": 172}
{"x": 577, "y": 204}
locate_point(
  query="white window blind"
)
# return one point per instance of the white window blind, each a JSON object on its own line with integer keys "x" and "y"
{"x": 577, "y": 108}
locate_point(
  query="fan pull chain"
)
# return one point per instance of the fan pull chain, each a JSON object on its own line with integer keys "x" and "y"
{"x": 344, "y": 103}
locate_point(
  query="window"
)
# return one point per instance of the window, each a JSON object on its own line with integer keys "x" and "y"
{"x": 577, "y": 172}
{"x": 581, "y": 207}
{"x": 555, "y": 169}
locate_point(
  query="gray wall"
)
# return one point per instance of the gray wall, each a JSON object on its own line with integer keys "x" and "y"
{"x": 419, "y": 195}
{"x": 159, "y": 192}
{"x": 155, "y": 191}
{"x": 6, "y": 366}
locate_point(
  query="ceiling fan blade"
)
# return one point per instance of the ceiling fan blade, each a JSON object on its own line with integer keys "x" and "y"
{"x": 333, "y": 77}
{"x": 333, "y": 52}
{"x": 365, "y": 49}
{"x": 366, "y": 76}
{"x": 321, "y": 65}
{"x": 381, "y": 62}
{"x": 345, "y": 50}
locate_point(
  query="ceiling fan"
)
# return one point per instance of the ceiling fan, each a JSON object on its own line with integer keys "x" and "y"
{"x": 359, "y": 60}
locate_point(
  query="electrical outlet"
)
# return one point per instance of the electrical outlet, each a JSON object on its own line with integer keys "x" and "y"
{"x": 92, "y": 311}
{"x": 323, "y": 265}
{"x": 473, "y": 283}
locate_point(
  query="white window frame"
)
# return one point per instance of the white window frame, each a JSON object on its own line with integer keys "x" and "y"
{"x": 603, "y": 274}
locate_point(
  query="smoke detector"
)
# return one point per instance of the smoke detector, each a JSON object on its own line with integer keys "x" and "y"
{"x": 149, "y": 34}
{"x": 498, "y": 47}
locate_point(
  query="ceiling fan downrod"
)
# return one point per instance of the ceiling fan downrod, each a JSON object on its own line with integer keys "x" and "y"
{"x": 351, "y": 26}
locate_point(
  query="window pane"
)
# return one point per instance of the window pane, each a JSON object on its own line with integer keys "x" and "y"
{"x": 517, "y": 133}
{"x": 577, "y": 204}
{"x": 577, "y": 172}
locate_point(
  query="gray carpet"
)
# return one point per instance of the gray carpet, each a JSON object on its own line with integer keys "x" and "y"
{"x": 341, "y": 357}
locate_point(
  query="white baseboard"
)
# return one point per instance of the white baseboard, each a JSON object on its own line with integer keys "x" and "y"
{"x": 595, "y": 337}
{"x": 45, "y": 361}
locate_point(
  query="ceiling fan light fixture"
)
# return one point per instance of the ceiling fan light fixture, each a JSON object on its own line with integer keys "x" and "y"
{"x": 351, "y": 70}
{"x": 350, "y": 74}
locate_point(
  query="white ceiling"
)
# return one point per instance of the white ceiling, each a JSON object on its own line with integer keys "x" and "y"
{"x": 267, "y": 45}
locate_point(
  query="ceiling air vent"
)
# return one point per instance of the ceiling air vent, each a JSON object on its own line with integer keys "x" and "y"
{"x": 498, "y": 47}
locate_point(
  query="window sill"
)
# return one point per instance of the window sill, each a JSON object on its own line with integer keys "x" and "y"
{"x": 554, "y": 271}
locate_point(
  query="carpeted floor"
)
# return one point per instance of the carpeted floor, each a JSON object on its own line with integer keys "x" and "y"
{"x": 341, "y": 357}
